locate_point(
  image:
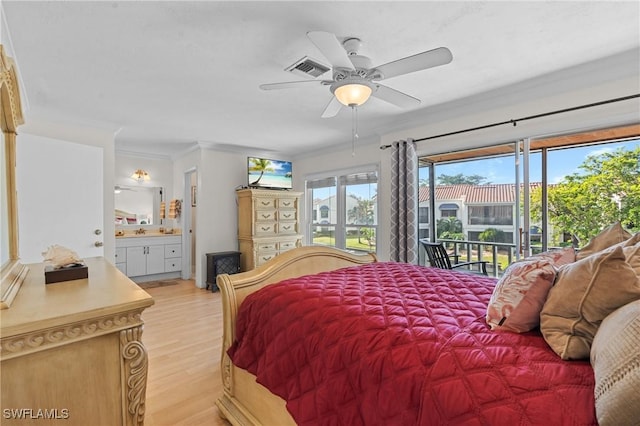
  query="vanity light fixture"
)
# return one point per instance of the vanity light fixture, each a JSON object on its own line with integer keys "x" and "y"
{"x": 141, "y": 176}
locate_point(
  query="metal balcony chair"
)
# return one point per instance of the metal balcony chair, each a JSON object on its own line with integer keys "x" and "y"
{"x": 439, "y": 258}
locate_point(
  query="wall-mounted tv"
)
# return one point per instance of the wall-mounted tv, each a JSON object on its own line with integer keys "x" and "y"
{"x": 266, "y": 173}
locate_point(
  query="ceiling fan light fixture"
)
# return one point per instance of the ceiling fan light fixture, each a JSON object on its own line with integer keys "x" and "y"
{"x": 352, "y": 92}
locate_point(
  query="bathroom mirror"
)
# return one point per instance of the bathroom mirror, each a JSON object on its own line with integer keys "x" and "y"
{"x": 138, "y": 205}
{"x": 12, "y": 271}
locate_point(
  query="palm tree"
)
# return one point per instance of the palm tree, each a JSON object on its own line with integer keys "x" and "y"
{"x": 260, "y": 165}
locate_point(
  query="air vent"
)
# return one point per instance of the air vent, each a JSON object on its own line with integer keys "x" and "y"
{"x": 308, "y": 67}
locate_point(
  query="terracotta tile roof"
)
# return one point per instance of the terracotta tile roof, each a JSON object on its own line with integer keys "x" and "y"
{"x": 475, "y": 194}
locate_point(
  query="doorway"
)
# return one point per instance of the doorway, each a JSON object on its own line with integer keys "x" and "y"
{"x": 190, "y": 222}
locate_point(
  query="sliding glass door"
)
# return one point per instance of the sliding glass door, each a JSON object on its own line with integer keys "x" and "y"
{"x": 502, "y": 202}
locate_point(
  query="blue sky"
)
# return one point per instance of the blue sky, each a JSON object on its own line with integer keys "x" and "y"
{"x": 562, "y": 162}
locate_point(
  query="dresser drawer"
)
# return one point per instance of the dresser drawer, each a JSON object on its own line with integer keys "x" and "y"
{"x": 286, "y": 203}
{"x": 287, "y": 228}
{"x": 262, "y": 247}
{"x": 266, "y": 228}
{"x": 265, "y": 203}
{"x": 287, "y": 245}
{"x": 264, "y": 257}
{"x": 265, "y": 215}
{"x": 287, "y": 215}
{"x": 173, "y": 250}
{"x": 172, "y": 265}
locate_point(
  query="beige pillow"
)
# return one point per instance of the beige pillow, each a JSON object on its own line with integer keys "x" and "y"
{"x": 632, "y": 253}
{"x": 614, "y": 234}
{"x": 585, "y": 292}
{"x": 615, "y": 357}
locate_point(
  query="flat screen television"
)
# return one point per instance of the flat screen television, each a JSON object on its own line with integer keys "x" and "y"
{"x": 266, "y": 173}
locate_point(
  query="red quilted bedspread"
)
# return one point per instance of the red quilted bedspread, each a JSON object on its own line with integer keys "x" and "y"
{"x": 397, "y": 344}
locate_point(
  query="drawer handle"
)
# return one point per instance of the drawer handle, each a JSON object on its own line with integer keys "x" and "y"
{"x": 265, "y": 228}
{"x": 286, "y": 203}
{"x": 286, "y": 228}
{"x": 287, "y": 216}
{"x": 266, "y": 216}
{"x": 265, "y": 203}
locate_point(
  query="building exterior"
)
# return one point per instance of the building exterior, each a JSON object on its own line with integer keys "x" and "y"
{"x": 477, "y": 207}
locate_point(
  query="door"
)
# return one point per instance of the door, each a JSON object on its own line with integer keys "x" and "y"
{"x": 60, "y": 196}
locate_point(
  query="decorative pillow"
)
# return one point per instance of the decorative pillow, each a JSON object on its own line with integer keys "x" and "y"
{"x": 585, "y": 292}
{"x": 519, "y": 295}
{"x": 616, "y": 363}
{"x": 557, "y": 257}
{"x": 614, "y": 234}
{"x": 632, "y": 254}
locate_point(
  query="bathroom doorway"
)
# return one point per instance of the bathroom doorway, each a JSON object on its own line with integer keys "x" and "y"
{"x": 190, "y": 209}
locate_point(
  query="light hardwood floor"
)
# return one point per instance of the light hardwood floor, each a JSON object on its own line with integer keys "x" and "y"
{"x": 183, "y": 337}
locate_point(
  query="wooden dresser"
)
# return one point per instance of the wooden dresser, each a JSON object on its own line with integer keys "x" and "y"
{"x": 71, "y": 352}
{"x": 268, "y": 224}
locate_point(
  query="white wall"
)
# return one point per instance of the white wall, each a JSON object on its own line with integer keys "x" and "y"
{"x": 219, "y": 173}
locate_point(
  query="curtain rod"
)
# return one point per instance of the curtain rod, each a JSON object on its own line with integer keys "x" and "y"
{"x": 515, "y": 121}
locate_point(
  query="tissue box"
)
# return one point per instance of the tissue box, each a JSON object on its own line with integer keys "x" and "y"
{"x": 77, "y": 272}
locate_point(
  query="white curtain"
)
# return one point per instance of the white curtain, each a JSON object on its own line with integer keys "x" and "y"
{"x": 404, "y": 202}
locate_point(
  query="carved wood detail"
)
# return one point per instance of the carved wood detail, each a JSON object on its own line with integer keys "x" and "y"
{"x": 134, "y": 375}
{"x": 44, "y": 339}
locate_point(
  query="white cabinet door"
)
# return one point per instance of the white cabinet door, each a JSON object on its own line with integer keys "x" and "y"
{"x": 136, "y": 261}
{"x": 155, "y": 259}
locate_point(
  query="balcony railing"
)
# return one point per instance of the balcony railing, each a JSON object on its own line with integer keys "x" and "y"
{"x": 497, "y": 255}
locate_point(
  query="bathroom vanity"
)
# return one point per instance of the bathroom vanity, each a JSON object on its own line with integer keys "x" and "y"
{"x": 150, "y": 256}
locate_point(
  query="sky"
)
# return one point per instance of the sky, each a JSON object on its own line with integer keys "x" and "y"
{"x": 561, "y": 163}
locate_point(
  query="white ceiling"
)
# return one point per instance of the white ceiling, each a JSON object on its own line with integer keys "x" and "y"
{"x": 167, "y": 75}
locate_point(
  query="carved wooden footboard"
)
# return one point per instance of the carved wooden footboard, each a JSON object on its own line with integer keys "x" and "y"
{"x": 245, "y": 402}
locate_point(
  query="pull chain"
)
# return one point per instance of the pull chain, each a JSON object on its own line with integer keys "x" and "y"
{"x": 354, "y": 129}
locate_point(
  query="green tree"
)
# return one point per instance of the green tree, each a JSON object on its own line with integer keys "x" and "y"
{"x": 260, "y": 165}
{"x": 362, "y": 214}
{"x": 606, "y": 190}
{"x": 492, "y": 235}
{"x": 461, "y": 179}
{"x": 449, "y": 228}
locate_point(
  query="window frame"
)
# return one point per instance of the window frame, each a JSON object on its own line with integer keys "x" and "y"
{"x": 341, "y": 225}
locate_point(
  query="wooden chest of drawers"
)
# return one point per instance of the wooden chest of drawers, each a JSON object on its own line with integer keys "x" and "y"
{"x": 268, "y": 224}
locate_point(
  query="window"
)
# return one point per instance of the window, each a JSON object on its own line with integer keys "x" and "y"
{"x": 577, "y": 184}
{"x": 324, "y": 212}
{"x": 490, "y": 215}
{"x": 448, "y": 213}
{"x": 423, "y": 215}
{"x": 344, "y": 211}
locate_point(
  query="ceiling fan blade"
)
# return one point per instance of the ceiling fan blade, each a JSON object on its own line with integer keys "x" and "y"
{"x": 331, "y": 48}
{"x": 332, "y": 109}
{"x": 292, "y": 84}
{"x": 395, "y": 97}
{"x": 420, "y": 61}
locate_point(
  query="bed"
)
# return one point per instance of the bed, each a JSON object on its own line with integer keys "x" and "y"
{"x": 411, "y": 347}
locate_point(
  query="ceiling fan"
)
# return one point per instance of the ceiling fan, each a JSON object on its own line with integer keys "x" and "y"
{"x": 354, "y": 79}
{"x": 119, "y": 188}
